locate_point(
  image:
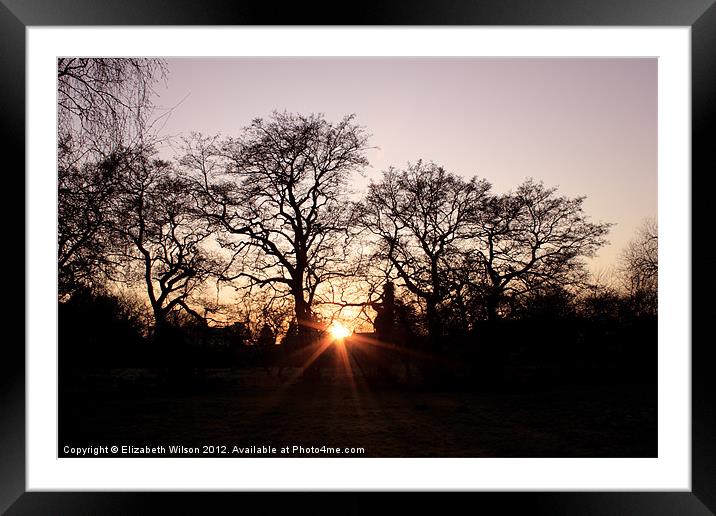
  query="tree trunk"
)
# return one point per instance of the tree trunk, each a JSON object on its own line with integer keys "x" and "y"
{"x": 434, "y": 326}
{"x": 303, "y": 317}
{"x": 302, "y": 309}
{"x": 492, "y": 302}
{"x": 159, "y": 329}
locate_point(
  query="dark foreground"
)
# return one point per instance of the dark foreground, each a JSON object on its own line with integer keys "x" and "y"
{"x": 233, "y": 410}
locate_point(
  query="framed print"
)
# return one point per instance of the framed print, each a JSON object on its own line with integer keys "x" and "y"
{"x": 412, "y": 251}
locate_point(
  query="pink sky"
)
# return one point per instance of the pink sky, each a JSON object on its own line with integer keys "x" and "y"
{"x": 587, "y": 126}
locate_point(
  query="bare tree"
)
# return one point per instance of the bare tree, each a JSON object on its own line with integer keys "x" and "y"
{"x": 161, "y": 236}
{"x": 421, "y": 217}
{"x": 104, "y": 104}
{"x": 276, "y": 196}
{"x": 530, "y": 239}
{"x": 103, "y": 110}
{"x": 639, "y": 267}
{"x": 256, "y": 307}
{"x": 84, "y": 237}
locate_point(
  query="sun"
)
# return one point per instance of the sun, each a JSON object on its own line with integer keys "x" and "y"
{"x": 338, "y": 331}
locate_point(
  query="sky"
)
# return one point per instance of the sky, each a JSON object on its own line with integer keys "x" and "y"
{"x": 586, "y": 126}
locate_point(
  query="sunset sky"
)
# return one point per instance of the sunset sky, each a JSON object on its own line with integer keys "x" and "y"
{"x": 587, "y": 126}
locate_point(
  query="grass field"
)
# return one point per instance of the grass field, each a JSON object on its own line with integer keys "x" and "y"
{"x": 253, "y": 407}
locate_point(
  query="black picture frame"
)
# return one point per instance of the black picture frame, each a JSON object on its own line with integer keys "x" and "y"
{"x": 700, "y": 15}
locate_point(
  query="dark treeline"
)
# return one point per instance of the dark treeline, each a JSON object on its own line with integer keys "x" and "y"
{"x": 448, "y": 277}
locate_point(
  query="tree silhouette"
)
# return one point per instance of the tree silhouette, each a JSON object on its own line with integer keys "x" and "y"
{"x": 83, "y": 225}
{"x": 275, "y": 196}
{"x": 532, "y": 238}
{"x": 105, "y": 103}
{"x": 266, "y": 337}
{"x": 385, "y": 319}
{"x": 639, "y": 268}
{"x": 103, "y": 108}
{"x": 161, "y": 235}
{"x": 421, "y": 217}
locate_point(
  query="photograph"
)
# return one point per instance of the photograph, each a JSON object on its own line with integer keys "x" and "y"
{"x": 364, "y": 257}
